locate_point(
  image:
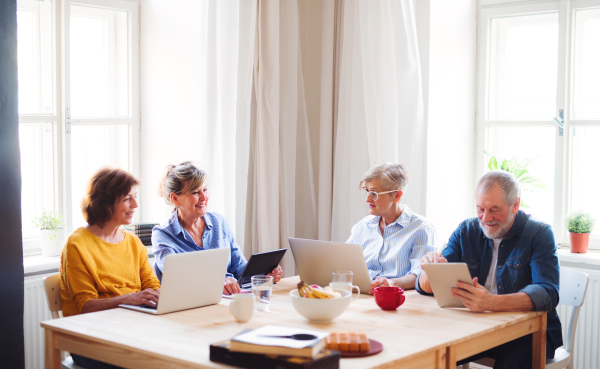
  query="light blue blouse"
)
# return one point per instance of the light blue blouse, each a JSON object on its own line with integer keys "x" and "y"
{"x": 397, "y": 252}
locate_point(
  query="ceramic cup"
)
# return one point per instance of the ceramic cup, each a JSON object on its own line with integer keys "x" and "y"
{"x": 389, "y": 298}
{"x": 242, "y": 306}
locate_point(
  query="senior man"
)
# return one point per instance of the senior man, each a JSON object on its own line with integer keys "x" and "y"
{"x": 512, "y": 259}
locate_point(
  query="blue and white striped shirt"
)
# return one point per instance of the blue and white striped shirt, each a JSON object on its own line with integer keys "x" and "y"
{"x": 171, "y": 238}
{"x": 397, "y": 253}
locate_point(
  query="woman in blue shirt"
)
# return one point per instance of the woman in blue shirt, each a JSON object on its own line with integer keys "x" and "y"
{"x": 392, "y": 237}
{"x": 191, "y": 227}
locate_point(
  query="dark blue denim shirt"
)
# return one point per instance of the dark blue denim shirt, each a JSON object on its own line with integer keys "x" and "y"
{"x": 527, "y": 262}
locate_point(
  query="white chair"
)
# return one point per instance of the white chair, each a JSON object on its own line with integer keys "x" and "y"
{"x": 52, "y": 288}
{"x": 572, "y": 290}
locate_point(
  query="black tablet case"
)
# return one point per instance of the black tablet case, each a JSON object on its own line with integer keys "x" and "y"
{"x": 261, "y": 264}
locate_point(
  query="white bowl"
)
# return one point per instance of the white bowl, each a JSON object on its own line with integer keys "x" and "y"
{"x": 320, "y": 310}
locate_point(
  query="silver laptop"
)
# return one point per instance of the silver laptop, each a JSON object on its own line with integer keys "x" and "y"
{"x": 190, "y": 280}
{"x": 316, "y": 260}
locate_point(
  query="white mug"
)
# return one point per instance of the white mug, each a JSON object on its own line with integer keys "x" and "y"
{"x": 346, "y": 286}
{"x": 242, "y": 306}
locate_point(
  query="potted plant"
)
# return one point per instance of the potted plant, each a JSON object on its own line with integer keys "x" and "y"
{"x": 52, "y": 232}
{"x": 579, "y": 224}
{"x": 520, "y": 170}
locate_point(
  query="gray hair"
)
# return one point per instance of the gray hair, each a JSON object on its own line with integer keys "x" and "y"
{"x": 508, "y": 183}
{"x": 179, "y": 179}
{"x": 392, "y": 176}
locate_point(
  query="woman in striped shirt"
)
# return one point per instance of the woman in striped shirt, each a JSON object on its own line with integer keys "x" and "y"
{"x": 392, "y": 237}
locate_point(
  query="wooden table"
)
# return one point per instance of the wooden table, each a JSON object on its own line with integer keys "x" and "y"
{"x": 418, "y": 335}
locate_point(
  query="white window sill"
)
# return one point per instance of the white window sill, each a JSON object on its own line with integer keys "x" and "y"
{"x": 38, "y": 264}
{"x": 591, "y": 258}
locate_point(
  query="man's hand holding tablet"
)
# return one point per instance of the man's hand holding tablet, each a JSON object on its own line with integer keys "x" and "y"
{"x": 475, "y": 298}
{"x": 430, "y": 257}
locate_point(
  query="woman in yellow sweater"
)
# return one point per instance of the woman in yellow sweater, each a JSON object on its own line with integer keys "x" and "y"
{"x": 102, "y": 265}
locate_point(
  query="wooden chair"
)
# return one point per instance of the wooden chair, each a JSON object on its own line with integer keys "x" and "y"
{"x": 572, "y": 290}
{"x": 52, "y": 288}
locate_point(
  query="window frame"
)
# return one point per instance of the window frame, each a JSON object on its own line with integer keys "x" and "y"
{"x": 61, "y": 94}
{"x": 133, "y": 120}
{"x": 565, "y": 9}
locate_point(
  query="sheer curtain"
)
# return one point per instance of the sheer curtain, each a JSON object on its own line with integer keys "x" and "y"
{"x": 257, "y": 141}
{"x": 281, "y": 195}
{"x": 379, "y": 107}
{"x": 224, "y": 109}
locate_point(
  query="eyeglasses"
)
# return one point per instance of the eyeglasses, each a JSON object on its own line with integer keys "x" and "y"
{"x": 375, "y": 195}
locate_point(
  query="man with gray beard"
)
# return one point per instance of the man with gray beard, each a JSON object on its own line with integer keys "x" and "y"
{"x": 513, "y": 262}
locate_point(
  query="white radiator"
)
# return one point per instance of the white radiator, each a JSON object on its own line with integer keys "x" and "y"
{"x": 587, "y": 343}
{"x": 36, "y": 311}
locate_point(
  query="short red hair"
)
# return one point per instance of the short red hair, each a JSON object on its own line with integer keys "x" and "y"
{"x": 105, "y": 187}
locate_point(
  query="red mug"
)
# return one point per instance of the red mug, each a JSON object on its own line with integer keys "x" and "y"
{"x": 389, "y": 298}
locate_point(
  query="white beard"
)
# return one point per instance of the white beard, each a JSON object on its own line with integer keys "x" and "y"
{"x": 500, "y": 233}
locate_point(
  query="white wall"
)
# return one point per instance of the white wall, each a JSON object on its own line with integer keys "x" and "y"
{"x": 448, "y": 52}
{"x": 169, "y": 58}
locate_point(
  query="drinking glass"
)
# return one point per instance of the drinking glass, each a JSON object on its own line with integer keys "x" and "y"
{"x": 262, "y": 286}
{"x": 342, "y": 276}
{"x": 342, "y": 280}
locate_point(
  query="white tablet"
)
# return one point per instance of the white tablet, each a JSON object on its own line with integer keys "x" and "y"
{"x": 442, "y": 277}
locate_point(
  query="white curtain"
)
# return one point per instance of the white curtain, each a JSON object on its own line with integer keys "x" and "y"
{"x": 281, "y": 195}
{"x": 225, "y": 86}
{"x": 256, "y": 145}
{"x": 379, "y": 106}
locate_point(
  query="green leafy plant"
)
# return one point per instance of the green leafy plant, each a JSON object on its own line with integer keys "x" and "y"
{"x": 579, "y": 222}
{"x": 519, "y": 170}
{"x": 49, "y": 220}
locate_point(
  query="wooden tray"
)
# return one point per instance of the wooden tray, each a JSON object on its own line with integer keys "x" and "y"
{"x": 375, "y": 347}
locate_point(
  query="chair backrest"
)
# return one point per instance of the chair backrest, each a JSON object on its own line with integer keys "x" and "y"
{"x": 573, "y": 287}
{"x": 52, "y": 287}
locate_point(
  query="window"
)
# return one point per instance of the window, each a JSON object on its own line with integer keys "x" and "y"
{"x": 537, "y": 62}
{"x": 78, "y": 101}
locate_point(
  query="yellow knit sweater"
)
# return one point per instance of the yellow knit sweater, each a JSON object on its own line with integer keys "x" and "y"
{"x": 92, "y": 268}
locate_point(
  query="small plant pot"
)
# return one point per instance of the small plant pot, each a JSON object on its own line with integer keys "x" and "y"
{"x": 579, "y": 242}
{"x": 52, "y": 241}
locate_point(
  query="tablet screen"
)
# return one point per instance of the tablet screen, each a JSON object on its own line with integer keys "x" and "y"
{"x": 442, "y": 277}
{"x": 261, "y": 264}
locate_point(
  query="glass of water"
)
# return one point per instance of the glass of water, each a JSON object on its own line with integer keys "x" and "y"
{"x": 262, "y": 285}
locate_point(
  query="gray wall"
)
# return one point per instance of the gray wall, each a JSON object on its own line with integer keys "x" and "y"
{"x": 12, "y": 351}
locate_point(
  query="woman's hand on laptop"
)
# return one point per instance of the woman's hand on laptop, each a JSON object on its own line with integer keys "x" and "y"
{"x": 146, "y": 297}
{"x": 231, "y": 286}
{"x": 276, "y": 274}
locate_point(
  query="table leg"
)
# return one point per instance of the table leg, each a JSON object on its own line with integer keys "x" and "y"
{"x": 52, "y": 353}
{"x": 451, "y": 357}
{"x": 539, "y": 344}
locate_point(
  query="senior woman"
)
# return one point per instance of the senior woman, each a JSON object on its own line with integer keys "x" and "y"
{"x": 191, "y": 227}
{"x": 392, "y": 237}
{"x": 102, "y": 265}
